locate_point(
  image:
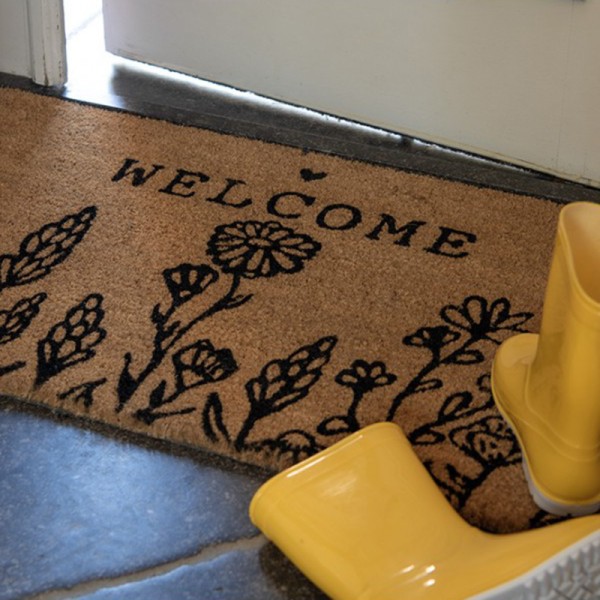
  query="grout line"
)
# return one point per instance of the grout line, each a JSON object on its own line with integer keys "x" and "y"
{"x": 205, "y": 555}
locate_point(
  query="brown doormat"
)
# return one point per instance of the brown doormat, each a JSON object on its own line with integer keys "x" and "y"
{"x": 261, "y": 301}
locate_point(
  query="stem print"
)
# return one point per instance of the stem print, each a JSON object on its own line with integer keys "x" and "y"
{"x": 458, "y": 340}
{"x": 241, "y": 251}
{"x": 83, "y": 393}
{"x": 362, "y": 378}
{"x": 198, "y": 364}
{"x": 470, "y": 425}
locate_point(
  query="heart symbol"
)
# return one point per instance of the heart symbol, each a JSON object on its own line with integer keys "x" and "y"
{"x": 310, "y": 175}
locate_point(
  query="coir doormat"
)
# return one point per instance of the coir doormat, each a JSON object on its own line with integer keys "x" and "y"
{"x": 261, "y": 301}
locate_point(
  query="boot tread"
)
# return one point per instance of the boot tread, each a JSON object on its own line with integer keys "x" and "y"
{"x": 572, "y": 575}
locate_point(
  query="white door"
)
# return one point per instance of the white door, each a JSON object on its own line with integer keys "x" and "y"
{"x": 517, "y": 80}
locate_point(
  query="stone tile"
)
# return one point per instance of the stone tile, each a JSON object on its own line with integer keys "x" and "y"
{"x": 76, "y": 505}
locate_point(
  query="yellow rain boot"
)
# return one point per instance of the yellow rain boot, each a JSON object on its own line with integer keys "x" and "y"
{"x": 548, "y": 385}
{"x": 365, "y": 521}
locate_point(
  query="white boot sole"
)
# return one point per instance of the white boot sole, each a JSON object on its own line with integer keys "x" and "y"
{"x": 573, "y": 574}
{"x": 545, "y": 503}
{"x": 556, "y": 508}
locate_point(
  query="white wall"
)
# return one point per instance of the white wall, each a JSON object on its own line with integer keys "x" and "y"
{"x": 15, "y": 57}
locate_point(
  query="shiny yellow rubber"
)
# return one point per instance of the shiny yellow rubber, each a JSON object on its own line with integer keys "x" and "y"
{"x": 548, "y": 385}
{"x": 364, "y": 520}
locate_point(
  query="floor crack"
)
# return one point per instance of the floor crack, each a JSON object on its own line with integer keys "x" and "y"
{"x": 205, "y": 555}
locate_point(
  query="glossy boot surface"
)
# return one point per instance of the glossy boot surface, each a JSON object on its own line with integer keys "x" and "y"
{"x": 548, "y": 385}
{"x": 364, "y": 520}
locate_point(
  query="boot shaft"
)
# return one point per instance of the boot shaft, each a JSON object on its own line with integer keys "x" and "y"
{"x": 359, "y": 506}
{"x": 564, "y": 379}
{"x": 365, "y": 521}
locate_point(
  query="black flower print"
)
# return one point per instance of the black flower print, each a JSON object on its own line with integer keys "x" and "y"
{"x": 186, "y": 281}
{"x": 200, "y": 363}
{"x": 362, "y": 378}
{"x": 296, "y": 444}
{"x": 482, "y": 320}
{"x": 365, "y": 377}
{"x": 434, "y": 338}
{"x": 459, "y": 406}
{"x": 254, "y": 249}
{"x": 490, "y": 441}
{"x": 469, "y": 423}
{"x": 459, "y": 341}
{"x": 242, "y": 250}
{"x": 284, "y": 381}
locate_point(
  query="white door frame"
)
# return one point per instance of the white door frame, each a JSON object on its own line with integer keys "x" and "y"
{"x": 33, "y": 41}
{"x": 47, "y": 42}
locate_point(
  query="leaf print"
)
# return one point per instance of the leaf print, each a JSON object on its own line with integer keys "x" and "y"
{"x": 44, "y": 249}
{"x": 456, "y": 405}
{"x": 424, "y": 436}
{"x": 6, "y": 369}
{"x": 337, "y": 425}
{"x": 429, "y": 384}
{"x": 73, "y": 340}
{"x": 157, "y": 396}
{"x": 212, "y": 419}
{"x": 157, "y": 400}
{"x": 283, "y": 382}
{"x": 466, "y": 357}
{"x": 15, "y": 321}
{"x": 149, "y": 415}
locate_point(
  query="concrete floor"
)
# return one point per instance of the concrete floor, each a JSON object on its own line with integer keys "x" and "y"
{"x": 94, "y": 513}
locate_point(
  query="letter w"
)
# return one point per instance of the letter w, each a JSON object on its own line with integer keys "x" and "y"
{"x": 139, "y": 176}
